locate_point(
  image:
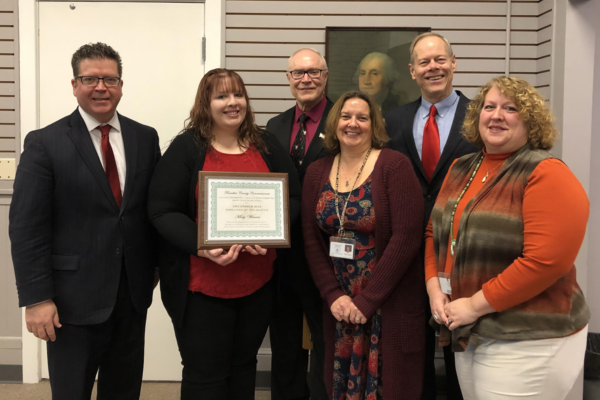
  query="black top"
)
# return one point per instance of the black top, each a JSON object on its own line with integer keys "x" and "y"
{"x": 172, "y": 210}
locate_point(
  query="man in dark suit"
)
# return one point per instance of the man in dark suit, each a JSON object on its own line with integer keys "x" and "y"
{"x": 427, "y": 131}
{"x": 81, "y": 240}
{"x": 300, "y": 129}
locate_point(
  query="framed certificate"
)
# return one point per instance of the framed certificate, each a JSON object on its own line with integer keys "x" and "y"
{"x": 243, "y": 208}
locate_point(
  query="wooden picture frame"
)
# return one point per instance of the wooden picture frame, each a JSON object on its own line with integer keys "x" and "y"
{"x": 243, "y": 208}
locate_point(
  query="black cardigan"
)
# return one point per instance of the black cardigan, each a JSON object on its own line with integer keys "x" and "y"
{"x": 172, "y": 205}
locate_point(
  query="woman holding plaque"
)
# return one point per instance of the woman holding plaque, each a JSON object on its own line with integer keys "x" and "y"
{"x": 500, "y": 250}
{"x": 219, "y": 301}
{"x": 362, "y": 213}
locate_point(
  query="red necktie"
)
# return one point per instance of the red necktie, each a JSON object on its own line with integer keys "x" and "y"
{"x": 431, "y": 144}
{"x": 110, "y": 165}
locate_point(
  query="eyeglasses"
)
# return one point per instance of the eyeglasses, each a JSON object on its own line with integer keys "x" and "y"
{"x": 312, "y": 73}
{"x": 110, "y": 81}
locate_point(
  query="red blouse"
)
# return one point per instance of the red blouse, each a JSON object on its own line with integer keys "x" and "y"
{"x": 248, "y": 273}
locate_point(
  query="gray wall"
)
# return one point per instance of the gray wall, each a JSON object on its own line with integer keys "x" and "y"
{"x": 10, "y": 314}
{"x": 593, "y": 273}
{"x": 261, "y": 35}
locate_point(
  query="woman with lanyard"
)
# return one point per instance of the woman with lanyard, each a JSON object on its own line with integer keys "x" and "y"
{"x": 362, "y": 217}
{"x": 499, "y": 253}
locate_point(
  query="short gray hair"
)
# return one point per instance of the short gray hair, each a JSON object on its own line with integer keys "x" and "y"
{"x": 310, "y": 49}
{"x": 423, "y": 36}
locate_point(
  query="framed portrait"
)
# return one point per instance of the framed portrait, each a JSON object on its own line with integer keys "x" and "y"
{"x": 374, "y": 60}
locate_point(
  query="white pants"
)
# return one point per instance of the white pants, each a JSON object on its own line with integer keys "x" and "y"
{"x": 544, "y": 369}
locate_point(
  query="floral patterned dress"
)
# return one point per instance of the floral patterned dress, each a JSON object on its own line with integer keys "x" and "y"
{"x": 357, "y": 359}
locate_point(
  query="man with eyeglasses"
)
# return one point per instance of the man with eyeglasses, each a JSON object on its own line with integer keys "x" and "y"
{"x": 300, "y": 129}
{"x": 82, "y": 245}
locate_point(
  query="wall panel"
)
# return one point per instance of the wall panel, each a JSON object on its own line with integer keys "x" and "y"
{"x": 10, "y": 314}
{"x": 544, "y": 6}
{"x": 261, "y": 35}
{"x": 374, "y": 8}
{"x": 320, "y": 21}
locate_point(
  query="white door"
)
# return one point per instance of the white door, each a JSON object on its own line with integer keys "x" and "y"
{"x": 161, "y": 48}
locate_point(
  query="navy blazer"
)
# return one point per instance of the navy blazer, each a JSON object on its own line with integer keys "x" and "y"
{"x": 69, "y": 239}
{"x": 399, "y": 125}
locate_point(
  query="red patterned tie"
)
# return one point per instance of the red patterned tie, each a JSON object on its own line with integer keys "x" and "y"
{"x": 110, "y": 165}
{"x": 431, "y": 144}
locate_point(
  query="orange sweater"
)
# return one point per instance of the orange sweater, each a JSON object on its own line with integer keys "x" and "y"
{"x": 555, "y": 213}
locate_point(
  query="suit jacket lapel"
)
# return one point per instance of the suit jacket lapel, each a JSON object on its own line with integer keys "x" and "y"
{"x": 316, "y": 144}
{"x": 409, "y": 138}
{"x": 455, "y": 136}
{"x": 80, "y": 136}
{"x": 284, "y": 133}
{"x": 130, "y": 143}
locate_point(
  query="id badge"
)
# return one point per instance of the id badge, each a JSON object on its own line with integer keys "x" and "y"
{"x": 445, "y": 282}
{"x": 341, "y": 247}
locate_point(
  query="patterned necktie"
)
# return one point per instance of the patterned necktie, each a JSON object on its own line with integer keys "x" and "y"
{"x": 431, "y": 144}
{"x": 110, "y": 165}
{"x": 299, "y": 143}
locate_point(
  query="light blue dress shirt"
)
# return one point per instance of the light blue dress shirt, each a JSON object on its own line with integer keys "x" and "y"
{"x": 444, "y": 118}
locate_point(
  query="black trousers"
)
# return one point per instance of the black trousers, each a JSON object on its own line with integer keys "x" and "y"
{"x": 295, "y": 295}
{"x": 114, "y": 349}
{"x": 429, "y": 385}
{"x": 218, "y": 343}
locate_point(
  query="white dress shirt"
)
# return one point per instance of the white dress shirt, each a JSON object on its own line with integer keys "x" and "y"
{"x": 115, "y": 139}
{"x": 446, "y": 109}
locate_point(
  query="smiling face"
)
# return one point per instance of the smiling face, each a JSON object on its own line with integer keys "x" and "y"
{"x": 354, "y": 130}
{"x": 98, "y": 101}
{"x": 307, "y": 91}
{"x": 370, "y": 78}
{"x": 501, "y": 128}
{"x": 227, "y": 108}
{"x": 433, "y": 68}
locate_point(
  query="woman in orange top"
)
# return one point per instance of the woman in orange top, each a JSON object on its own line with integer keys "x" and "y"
{"x": 500, "y": 248}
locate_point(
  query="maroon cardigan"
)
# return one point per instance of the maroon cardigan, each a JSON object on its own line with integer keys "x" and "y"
{"x": 397, "y": 284}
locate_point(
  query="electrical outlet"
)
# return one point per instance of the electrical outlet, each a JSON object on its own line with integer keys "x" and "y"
{"x": 7, "y": 169}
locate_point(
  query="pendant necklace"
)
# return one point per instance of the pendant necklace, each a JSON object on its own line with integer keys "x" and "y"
{"x": 348, "y": 179}
{"x": 337, "y": 176}
{"x": 488, "y": 171}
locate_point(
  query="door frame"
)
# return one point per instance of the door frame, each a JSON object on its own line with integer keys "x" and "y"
{"x": 214, "y": 32}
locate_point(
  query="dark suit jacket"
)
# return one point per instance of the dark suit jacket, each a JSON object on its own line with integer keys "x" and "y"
{"x": 293, "y": 260}
{"x": 399, "y": 124}
{"x": 281, "y": 127}
{"x": 69, "y": 239}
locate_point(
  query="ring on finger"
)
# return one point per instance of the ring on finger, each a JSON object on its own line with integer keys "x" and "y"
{"x": 436, "y": 316}
{"x": 357, "y": 320}
{"x": 449, "y": 322}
